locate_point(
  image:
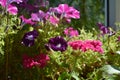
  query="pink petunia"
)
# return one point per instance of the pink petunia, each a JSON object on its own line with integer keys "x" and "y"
{"x": 9, "y": 7}
{"x": 53, "y": 20}
{"x": 71, "y": 32}
{"x": 27, "y": 21}
{"x": 68, "y": 12}
{"x": 12, "y": 9}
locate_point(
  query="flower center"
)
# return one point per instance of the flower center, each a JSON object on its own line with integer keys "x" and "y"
{"x": 30, "y": 37}
{"x": 58, "y": 45}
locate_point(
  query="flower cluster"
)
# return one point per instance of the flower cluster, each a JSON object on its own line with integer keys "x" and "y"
{"x": 94, "y": 45}
{"x": 54, "y": 15}
{"x": 38, "y": 60}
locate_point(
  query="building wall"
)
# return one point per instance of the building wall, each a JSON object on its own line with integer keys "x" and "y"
{"x": 114, "y": 13}
{"x": 117, "y": 10}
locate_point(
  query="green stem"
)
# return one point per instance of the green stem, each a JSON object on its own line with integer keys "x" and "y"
{"x": 6, "y": 57}
{"x": 7, "y": 48}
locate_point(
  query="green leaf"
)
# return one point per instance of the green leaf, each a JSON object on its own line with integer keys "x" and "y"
{"x": 75, "y": 75}
{"x": 63, "y": 76}
{"x": 110, "y": 69}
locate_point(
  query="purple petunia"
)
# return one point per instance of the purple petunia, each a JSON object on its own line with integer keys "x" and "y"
{"x": 29, "y": 38}
{"x": 40, "y": 16}
{"x": 57, "y": 44}
{"x": 104, "y": 29}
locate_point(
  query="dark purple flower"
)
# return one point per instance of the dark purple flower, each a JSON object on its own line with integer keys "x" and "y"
{"x": 104, "y": 29}
{"x": 29, "y": 38}
{"x": 57, "y": 44}
{"x": 31, "y": 6}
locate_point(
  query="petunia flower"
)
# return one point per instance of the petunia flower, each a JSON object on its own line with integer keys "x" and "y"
{"x": 12, "y": 10}
{"x": 9, "y": 7}
{"x": 38, "y": 60}
{"x": 40, "y": 16}
{"x": 71, "y": 32}
{"x": 68, "y": 12}
{"x": 54, "y": 20}
{"x": 41, "y": 60}
{"x": 57, "y": 44}
{"x": 94, "y": 45}
{"x": 26, "y": 21}
{"x": 28, "y": 61}
{"x": 29, "y": 38}
{"x": 104, "y": 29}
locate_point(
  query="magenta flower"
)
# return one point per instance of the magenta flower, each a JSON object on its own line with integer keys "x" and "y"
{"x": 41, "y": 60}
{"x": 28, "y": 62}
{"x": 29, "y": 38}
{"x": 94, "y": 45}
{"x": 26, "y": 21}
{"x": 38, "y": 60}
{"x": 53, "y": 20}
{"x": 71, "y": 32}
{"x": 9, "y": 7}
{"x": 12, "y": 10}
{"x": 57, "y": 44}
{"x": 68, "y": 12}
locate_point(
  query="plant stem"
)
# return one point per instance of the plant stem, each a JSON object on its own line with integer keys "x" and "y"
{"x": 6, "y": 47}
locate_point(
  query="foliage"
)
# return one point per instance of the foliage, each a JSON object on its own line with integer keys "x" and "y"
{"x": 39, "y": 43}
